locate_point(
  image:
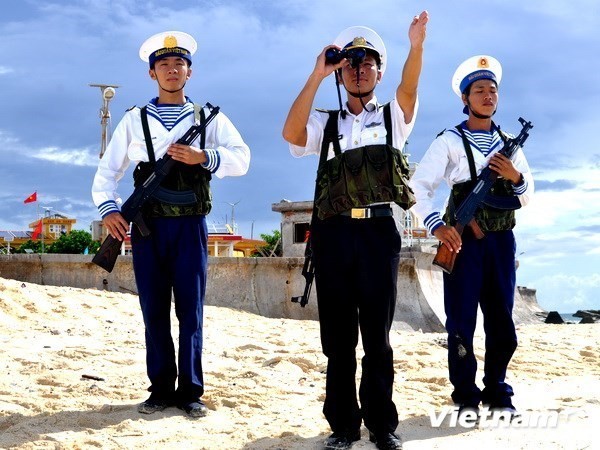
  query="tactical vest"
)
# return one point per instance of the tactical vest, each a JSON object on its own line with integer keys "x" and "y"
{"x": 361, "y": 176}
{"x": 185, "y": 191}
{"x": 487, "y": 217}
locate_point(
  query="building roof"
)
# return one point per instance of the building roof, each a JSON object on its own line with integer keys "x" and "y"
{"x": 287, "y": 205}
{"x": 15, "y": 234}
{"x": 219, "y": 228}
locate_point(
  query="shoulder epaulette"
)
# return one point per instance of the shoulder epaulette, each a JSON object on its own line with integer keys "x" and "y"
{"x": 129, "y": 109}
{"x": 323, "y": 110}
{"x": 440, "y": 133}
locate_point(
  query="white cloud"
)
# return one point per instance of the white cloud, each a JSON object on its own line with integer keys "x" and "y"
{"x": 75, "y": 157}
{"x": 7, "y": 140}
{"x": 566, "y": 210}
{"x": 4, "y": 70}
{"x": 577, "y": 292}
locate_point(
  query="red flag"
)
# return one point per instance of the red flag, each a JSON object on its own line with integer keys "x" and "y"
{"x": 38, "y": 230}
{"x": 31, "y": 198}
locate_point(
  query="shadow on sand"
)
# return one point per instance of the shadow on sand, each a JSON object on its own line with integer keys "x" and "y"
{"x": 412, "y": 429}
{"x": 18, "y": 429}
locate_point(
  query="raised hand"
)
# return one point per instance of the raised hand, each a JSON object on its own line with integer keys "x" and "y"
{"x": 418, "y": 29}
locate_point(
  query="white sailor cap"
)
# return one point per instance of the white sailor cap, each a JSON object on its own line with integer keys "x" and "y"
{"x": 168, "y": 43}
{"x": 363, "y": 37}
{"x": 480, "y": 67}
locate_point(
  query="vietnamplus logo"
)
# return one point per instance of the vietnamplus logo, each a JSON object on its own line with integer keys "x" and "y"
{"x": 491, "y": 418}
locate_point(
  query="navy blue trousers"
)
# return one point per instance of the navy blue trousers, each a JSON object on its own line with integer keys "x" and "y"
{"x": 356, "y": 268}
{"x": 484, "y": 275}
{"x": 172, "y": 260}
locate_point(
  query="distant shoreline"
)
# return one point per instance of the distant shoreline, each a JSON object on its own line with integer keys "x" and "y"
{"x": 570, "y": 317}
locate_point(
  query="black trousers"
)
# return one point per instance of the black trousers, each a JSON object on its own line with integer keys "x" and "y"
{"x": 356, "y": 268}
{"x": 484, "y": 275}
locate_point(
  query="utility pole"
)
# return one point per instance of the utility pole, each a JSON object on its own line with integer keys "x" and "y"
{"x": 108, "y": 93}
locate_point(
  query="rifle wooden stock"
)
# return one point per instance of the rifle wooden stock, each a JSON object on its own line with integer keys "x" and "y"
{"x": 111, "y": 248}
{"x": 444, "y": 257}
{"x": 108, "y": 253}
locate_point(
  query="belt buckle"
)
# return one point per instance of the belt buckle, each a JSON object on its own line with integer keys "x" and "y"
{"x": 360, "y": 213}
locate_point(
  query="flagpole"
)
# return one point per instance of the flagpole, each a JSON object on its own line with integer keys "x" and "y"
{"x": 41, "y": 217}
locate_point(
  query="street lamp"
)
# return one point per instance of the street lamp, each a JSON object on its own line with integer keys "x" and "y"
{"x": 517, "y": 263}
{"x": 108, "y": 93}
{"x": 232, "y": 216}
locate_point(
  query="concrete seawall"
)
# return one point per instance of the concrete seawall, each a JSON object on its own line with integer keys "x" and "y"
{"x": 261, "y": 286}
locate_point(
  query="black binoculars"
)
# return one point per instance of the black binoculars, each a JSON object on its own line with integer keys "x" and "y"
{"x": 355, "y": 55}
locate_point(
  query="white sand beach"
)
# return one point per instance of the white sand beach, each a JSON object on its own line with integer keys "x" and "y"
{"x": 264, "y": 381}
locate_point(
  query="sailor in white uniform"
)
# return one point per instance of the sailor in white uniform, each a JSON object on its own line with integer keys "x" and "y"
{"x": 484, "y": 271}
{"x": 173, "y": 258}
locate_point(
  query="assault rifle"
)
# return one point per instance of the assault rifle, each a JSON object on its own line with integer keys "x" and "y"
{"x": 132, "y": 208}
{"x": 308, "y": 272}
{"x": 465, "y": 214}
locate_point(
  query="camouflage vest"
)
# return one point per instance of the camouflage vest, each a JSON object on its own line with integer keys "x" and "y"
{"x": 361, "y": 176}
{"x": 185, "y": 191}
{"x": 487, "y": 217}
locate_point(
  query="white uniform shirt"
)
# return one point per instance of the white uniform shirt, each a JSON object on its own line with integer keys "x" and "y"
{"x": 446, "y": 160}
{"x": 227, "y": 153}
{"x": 366, "y": 128}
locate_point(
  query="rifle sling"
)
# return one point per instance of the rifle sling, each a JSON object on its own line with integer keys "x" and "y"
{"x": 199, "y": 114}
{"x": 147, "y": 136}
{"x": 472, "y": 171}
{"x": 330, "y": 136}
{"x": 469, "y": 153}
{"x": 387, "y": 122}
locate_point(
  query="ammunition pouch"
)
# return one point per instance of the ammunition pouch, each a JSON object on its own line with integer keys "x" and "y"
{"x": 185, "y": 191}
{"x": 487, "y": 217}
{"x": 362, "y": 176}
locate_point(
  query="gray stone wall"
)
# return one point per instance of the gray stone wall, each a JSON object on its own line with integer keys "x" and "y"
{"x": 261, "y": 286}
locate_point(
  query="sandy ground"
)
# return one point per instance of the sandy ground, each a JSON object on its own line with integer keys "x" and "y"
{"x": 264, "y": 381}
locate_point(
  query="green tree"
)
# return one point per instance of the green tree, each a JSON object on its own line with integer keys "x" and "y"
{"x": 34, "y": 246}
{"x": 273, "y": 247}
{"x": 74, "y": 242}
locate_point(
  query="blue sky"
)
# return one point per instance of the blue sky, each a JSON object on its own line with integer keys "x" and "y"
{"x": 254, "y": 57}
